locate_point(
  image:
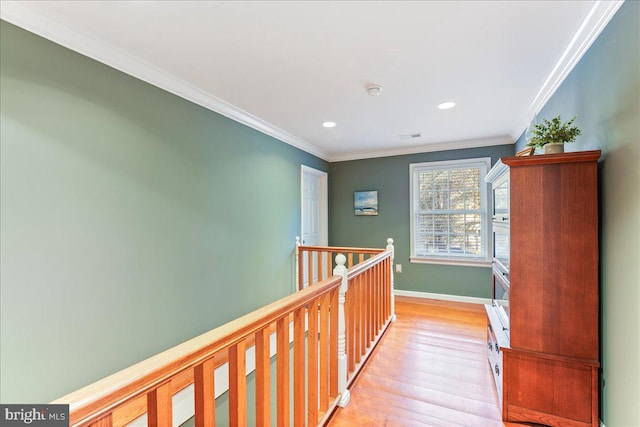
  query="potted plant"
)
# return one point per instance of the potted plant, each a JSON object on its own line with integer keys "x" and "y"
{"x": 553, "y": 134}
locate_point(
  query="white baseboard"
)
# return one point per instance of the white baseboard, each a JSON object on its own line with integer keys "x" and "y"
{"x": 444, "y": 297}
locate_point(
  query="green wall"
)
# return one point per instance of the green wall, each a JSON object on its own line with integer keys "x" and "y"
{"x": 604, "y": 91}
{"x": 131, "y": 219}
{"x": 390, "y": 177}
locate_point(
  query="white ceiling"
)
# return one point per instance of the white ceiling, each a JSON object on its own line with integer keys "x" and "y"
{"x": 284, "y": 67}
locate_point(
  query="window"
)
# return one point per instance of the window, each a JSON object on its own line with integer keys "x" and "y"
{"x": 449, "y": 223}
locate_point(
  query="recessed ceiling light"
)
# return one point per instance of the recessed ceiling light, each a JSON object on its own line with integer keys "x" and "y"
{"x": 447, "y": 105}
{"x": 329, "y": 124}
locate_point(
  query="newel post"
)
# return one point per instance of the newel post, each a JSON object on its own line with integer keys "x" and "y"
{"x": 296, "y": 286}
{"x": 393, "y": 299}
{"x": 341, "y": 270}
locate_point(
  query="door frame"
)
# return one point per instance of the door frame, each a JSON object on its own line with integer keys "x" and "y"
{"x": 324, "y": 202}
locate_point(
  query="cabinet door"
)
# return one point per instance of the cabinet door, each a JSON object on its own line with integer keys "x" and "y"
{"x": 501, "y": 248}
{"x": 552, "y": 392}
{"x": 554, "y": 258}
{"x": 501, "y": 199}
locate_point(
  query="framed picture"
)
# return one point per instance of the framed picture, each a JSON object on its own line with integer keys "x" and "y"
{"x": 365, "y": 203}
{"x": 526, "y": 152}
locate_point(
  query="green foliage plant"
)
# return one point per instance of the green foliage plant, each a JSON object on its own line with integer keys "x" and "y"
{"x": 554, "y": 131}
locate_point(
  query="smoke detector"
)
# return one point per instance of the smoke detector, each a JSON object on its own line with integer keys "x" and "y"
{"x": 374, "y": 90}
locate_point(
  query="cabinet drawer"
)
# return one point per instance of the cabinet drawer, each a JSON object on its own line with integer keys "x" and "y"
{"x": 494, "y": 355}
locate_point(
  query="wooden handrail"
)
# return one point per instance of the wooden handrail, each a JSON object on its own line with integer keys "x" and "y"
{"x": 367, "y": 264}
{"x": 99, "y": 399}
{"x": 342, "y": 249}
{"x": 314, "y": 263}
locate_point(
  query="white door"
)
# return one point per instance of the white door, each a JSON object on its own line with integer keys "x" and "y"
{"x": 314, "y": 215}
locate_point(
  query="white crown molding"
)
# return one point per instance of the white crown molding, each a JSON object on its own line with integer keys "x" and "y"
{"x": 20, "y": 14}
{"x": 425, "y": 148}
{"x": 596, "y": 20}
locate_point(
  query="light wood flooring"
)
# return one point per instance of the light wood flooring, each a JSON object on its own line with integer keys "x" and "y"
{"x": 430, "y": 369}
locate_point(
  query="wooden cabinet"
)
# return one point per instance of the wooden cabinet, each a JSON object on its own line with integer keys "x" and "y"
{"x": 543, "y": 339}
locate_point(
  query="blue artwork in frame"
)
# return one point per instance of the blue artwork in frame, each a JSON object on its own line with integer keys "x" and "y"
{"x": 365, "y": 203}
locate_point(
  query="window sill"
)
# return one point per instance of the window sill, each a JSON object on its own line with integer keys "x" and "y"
{"x": 446, "y": 261}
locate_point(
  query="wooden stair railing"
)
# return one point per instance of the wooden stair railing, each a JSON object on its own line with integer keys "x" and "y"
{"x": 369, "y": 301}
{"x": 369, "y": 307}
{"x": 346, "y": 314}
{"x": 152, "y": 383}
{"x": 315, "y": 263}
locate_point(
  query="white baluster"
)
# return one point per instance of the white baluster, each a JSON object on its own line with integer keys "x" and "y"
{"x": 341, "y": 270}
{"x": 295, "y": 286}
{"x": 393, "y": 300}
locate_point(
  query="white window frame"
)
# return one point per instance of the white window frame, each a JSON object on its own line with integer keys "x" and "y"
{"x": 485, "y": 202}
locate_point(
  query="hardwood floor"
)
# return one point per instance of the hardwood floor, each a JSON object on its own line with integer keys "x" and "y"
{"x": 430, "y": 369}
